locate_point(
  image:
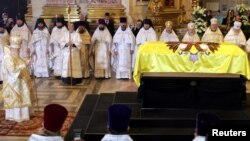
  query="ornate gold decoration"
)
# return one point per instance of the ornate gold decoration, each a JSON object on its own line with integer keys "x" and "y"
{"x": 195, "y": 3}
{"x": 15, "y": 41}
{"x": 175, "y": 45}
{"x": 159, "y": 12}
{"x": 51, "y": 10}
{"x": 29, "y": 15}
{"x": 95, "y": 13}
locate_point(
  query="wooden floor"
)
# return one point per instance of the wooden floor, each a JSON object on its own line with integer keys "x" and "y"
{"x": 50, "y": 90}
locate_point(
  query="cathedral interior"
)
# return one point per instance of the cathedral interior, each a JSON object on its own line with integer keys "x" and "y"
{"x": 88, "y": 101}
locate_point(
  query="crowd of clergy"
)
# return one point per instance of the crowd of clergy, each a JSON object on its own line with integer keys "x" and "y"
{"x": 71, "y": 53}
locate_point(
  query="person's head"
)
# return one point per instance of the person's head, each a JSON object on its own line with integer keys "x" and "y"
{"x": 237, "y": 18}
{"x": 139, "y": 24}
{"x": 209, "y": 12}
{"x": 205, "y": 122}
{"x": 15, "y": 44}
{"x": 10, "y": 22}
{"x": 54, "y": 117}
{"x": 236, "y": 27}
{"x": 118, "y": 118}
{"x": 20, "y": 20}
{"x": 191, "y": 28}
{"x": 169, "y": 26}
{"x": 59, "y": 22}
{"x": 81, "y": 27}
{"x": 71, "y": 27}
{"x": 230, "y": 13}
{"x": 214, "y": 24}
{"x": 123, "y": 23}
{"x": 2, "y": 27}
{"x": 218, "y": 12}
{"x": 107, "y": 16}
{"x": 101, "y": 23}
{"x": 147, "y": 23}
{"x": 40, "y": 24}
{"x": 4, "y": 16}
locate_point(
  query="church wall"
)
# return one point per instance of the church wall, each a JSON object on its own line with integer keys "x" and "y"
{"x": 224, "y": 5}
{"x": 37, "y": 8}
{"x": 188, "y": 7}
{"x": 137, "y": 10}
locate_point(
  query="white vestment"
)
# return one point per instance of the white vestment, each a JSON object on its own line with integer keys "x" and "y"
{"x": 199, "y": 138}
{"x": 35, "y": 137}
{"x": 101, "y": 45}
{"x": 191, "y": 38}
{"x": 75, "y": 56}
{"x": 142, "y": 37}
{"x": 110, "y": 137}
{"x": 248, "y": 45}
{"x": 4, "y": 40}
{"x": 39, "y": 43}
{"x": 123, "y": 44}
{"x": 56, "y": 49}
{"x": 17, "y": 88}
{"x": 25, "y": 33}
{"x": 237, "y": 38}
{"x": 169, "y": 37}
{"x": 212, "y": 36}
{"x": 145, "y": 36}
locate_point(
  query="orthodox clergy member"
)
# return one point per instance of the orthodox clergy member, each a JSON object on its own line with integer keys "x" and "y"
{"x": 213, "y": 33}
{"x": 39, "y": 45}
{"x": 4, "y": 41}
{"x": 205, "y": 122}
{"x": 8, "y": 22}
{"x": 168, "y": 34}
{"x": 17, "y": 84}
{"x": 123, "y": 48}
{"x": 54, "y": 117}
{"x": 146, "y": 33}
{"x": 71, "y": 67}
{"x": 56, "y": 47}
{"x": 22, "y": 30}
{"x": 82, "y": 19}
{"x": 137, "y": 27}
{"x": 235, "y": 35}
{"x": 248, "y": 45}
{"x": 118, "y": 123}
{"x": 191, "y": 35}
{"x": 85, "y": 48}
{"x": 101, "y": 47}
